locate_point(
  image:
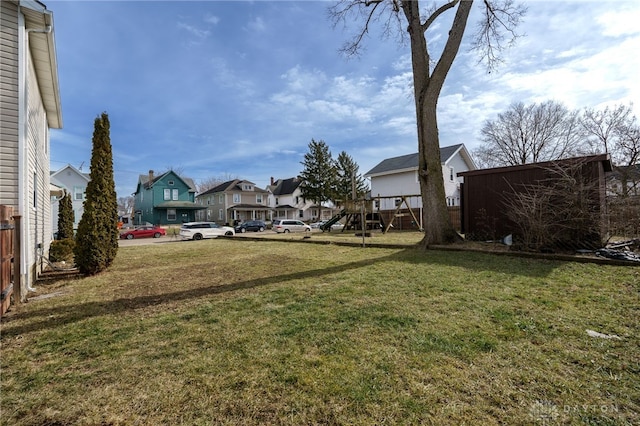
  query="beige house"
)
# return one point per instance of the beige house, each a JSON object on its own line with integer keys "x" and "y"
{"x": 233, "y": 201}
{"x": 29, "y": 107}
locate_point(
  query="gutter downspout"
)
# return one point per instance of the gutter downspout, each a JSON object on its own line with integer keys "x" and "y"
{"x": 23, "y": 179}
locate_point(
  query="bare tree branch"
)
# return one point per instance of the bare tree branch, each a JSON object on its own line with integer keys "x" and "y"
{"x": 431, "y": 19}
{"x": 500, "y": 17}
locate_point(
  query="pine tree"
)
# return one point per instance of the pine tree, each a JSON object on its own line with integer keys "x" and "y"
{"x": 349, "y": 179}
{"x": 97, "y": 238}
{"x": 65, "y": 217}
{"x": 319, "y": 174}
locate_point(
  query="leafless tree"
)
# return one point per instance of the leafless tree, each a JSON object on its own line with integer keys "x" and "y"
{"x": 530, "y": 134}
{"x": 125, "y": 204}
{"x": 211, "y": 182}
{"x": 494, "y": 32}
{"x": 616, "y": 131}
{"x": 561, "y": 211}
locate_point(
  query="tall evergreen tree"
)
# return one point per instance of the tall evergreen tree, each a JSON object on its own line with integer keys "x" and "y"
{"x": 66, "y": 217}
{"x": 319, "y": 174}
{"x": 97, "y": 238}
{"x": 348, "y": 179}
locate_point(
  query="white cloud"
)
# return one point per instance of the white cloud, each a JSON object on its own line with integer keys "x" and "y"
{"x": 194, "y": 31}
{"x": 211, "y": 19}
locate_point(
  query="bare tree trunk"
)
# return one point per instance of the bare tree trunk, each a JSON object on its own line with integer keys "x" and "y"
{"x": 427, "y": 87}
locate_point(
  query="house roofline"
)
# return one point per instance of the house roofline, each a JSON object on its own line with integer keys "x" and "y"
{"x": 42, "y": 46}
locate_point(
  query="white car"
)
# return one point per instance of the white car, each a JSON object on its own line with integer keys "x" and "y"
{"x": 290, "y": 225}
{"x": 200, "y": 230}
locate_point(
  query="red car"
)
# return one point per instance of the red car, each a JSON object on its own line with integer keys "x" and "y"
{"x": 143, "y": 232}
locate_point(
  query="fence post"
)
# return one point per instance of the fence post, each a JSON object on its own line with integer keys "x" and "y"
{"x": 17, "y": 259}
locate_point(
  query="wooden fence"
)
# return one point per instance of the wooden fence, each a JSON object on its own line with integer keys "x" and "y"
{"x": 7, "y": 228}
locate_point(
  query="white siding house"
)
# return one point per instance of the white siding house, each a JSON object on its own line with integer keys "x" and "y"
{"x": 287, "y": 202}
{"x": 74, "y": 182}
{"x": 30, "y": 106}
{"x": 398, "y": 176}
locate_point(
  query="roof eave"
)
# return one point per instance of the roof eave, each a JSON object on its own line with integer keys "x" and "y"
{"x": 42, "y": 46}
{"x": 392, "y": 172}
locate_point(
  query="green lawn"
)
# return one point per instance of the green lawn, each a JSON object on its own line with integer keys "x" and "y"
{"x": 270, "y": 332}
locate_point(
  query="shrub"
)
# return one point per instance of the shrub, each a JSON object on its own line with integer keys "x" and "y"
{"x": 62, "y": 250}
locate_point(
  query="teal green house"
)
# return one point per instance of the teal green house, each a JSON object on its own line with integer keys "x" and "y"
{"x": 168, "y": 199}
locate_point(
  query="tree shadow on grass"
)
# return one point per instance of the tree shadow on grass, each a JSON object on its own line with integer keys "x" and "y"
{"x": 62, "y": 315}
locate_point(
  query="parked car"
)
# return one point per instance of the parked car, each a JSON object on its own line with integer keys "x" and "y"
{"x": 200, "y": 230}
{"x": 316, "y": 225}
{"x": 143, "y": 232}
{"x": 290, "y": 225}
{"x": 251, "y": 225}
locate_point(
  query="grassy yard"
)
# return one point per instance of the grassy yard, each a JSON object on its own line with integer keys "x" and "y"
{"x": 269, "y": 332}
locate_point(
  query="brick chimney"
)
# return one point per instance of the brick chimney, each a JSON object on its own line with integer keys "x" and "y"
{"x": 271, "y": 180}
{"x": 150, "y": 176}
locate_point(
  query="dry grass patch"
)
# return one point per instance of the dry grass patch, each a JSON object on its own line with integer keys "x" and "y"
{"x": 243, "y": 332}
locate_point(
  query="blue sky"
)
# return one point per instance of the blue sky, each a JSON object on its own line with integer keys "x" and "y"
{"x": 239, "y": 88}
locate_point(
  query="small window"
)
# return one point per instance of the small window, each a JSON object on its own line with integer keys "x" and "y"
{"x": 221, "y": 199}
{"x": 167, "y": 194}
{"x": 171, "y": 215}
{"x": 451, "y": 176}
{"x": 171, "y": 183}
{"x": 259, "y": 198}
{"x": 300, "y": 213}
{"x": 78, "y": 193}
{"x": 236, "y": 198}
{"x": 174, "y": 195}
{"x": 220, "y": 214}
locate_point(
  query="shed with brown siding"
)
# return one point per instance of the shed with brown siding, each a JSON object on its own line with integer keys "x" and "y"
{"x": 487, "y": 193}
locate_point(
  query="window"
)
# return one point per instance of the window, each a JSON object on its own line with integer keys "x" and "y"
{"x": 276, "y": 201}
{"x": 246, "y": 187}
{"x": 236, "y": 198}
{"x": 78, "y": 193}
{"x": 220, "y": 214}
{"x": 259, "y": 198}
{"x": 167, "y": 194}
{"x": 170, "y": 183}
{"x": 174, "y": 195}
{"x": 300, "y": 213}
{"x": 221, "y": 199}
{"x": 171, "y": 214}
{"x": 297, "y": 200}
{"x": 451, "y": 177}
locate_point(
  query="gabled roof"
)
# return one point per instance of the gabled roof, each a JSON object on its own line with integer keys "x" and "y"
{"x": 410, "y": 161}
{"x": 55, "y": 173}
{"x": 144, "y": 181}
{"x": 42, "y": 45}
{"x": 285, "y": 186}
{"x": 230, "y": 186}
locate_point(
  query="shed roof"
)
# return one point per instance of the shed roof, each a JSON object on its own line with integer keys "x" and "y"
{"x": 604, "y": 158}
